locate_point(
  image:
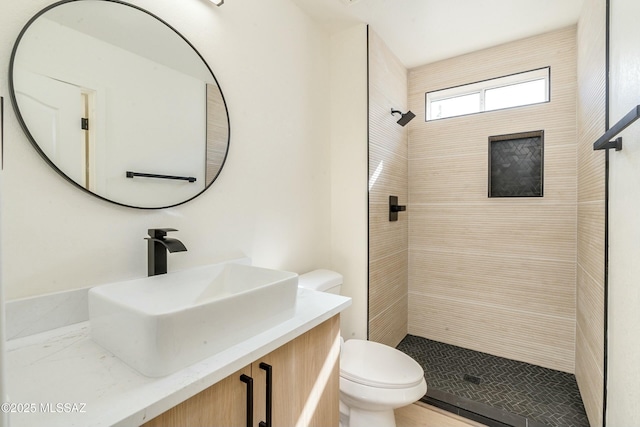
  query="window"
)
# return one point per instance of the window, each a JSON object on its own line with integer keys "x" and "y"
{"x": 531, "y": 87}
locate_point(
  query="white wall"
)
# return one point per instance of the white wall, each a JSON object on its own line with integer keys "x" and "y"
{"x": 624, "y": 225}
{"x": 349, "y": 210}
{"x": 271, "y": 201}
{"x": 4, "y": 417}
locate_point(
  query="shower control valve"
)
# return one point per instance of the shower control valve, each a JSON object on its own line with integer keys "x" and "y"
{"x": 394, "y": 208}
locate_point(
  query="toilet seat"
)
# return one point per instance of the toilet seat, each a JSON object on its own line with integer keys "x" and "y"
{"x": 377, "y": 365}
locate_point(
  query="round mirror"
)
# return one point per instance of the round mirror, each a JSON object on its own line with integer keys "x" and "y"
{"x": 119, "y": 103}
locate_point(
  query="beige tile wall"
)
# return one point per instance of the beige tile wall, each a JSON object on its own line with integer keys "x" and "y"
{"x": 217, "y": 133}
{"x": 591, "y": 180}
{"x": 495, "y": 275}
{"x": 388, "y": 241}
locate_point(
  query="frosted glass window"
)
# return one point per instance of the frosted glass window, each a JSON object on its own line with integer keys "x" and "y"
{"x": 458, "y": 106}
{"x": 527, "y": 88}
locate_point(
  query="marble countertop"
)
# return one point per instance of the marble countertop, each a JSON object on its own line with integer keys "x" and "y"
{"x": 62, "y": 378}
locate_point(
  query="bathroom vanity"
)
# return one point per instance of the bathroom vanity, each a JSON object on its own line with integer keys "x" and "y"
{"x": 304, "y": 385}
{"x": 63, "y": 378}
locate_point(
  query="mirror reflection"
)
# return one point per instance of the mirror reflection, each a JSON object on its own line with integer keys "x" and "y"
{"x": 119, "y": 103}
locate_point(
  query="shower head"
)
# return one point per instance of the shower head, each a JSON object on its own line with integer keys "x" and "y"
{"x": 405, "y": 118}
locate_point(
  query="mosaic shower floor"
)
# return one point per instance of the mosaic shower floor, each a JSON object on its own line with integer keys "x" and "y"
{"x": 494, "y": 390}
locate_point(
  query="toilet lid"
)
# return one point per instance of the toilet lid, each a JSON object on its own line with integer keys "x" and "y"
{"x": 378, "y": 365}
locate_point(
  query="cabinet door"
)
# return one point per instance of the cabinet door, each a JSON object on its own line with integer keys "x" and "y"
{"x": 305, "y": 380}
{"x": 221, "y": 405}
{"x": 317, "y": 378}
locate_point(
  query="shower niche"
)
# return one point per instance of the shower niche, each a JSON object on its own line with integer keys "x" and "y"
{"x": 516, "y": 165}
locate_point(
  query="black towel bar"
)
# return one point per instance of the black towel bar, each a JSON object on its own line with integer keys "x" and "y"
{"x": 605, "y": 142}
{"x": 153, "y": 175}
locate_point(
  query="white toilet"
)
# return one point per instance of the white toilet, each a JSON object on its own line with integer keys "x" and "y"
{"x": 375, "y": 379}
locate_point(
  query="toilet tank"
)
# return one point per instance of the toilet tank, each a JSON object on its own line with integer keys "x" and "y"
{"x": 321, "y": 280}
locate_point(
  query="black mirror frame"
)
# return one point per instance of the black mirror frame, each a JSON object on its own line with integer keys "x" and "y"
{"x": 32, "y": 140}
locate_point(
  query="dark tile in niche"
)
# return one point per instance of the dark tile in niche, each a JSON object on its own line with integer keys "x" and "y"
{"x": 516, "y": 165}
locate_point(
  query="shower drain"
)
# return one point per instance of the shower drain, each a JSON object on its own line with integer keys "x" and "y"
{"x": 471, "y": 379}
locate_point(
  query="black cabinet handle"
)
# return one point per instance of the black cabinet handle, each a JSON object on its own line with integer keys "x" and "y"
{"x": 267, "y": 368}
{"x": 249, "y": 382}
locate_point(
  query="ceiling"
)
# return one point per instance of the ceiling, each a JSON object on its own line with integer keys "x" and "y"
{"x": 424, "y": 31}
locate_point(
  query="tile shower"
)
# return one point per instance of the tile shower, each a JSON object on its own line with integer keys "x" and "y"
{"x": 489, "y": 276}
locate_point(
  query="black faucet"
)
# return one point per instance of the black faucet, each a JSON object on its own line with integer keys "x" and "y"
{"x": 157, "y": 246}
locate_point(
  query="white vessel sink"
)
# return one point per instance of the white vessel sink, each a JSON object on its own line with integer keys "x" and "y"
{"x": 161, "y": 324}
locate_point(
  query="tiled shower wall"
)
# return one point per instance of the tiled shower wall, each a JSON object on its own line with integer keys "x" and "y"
{"x": 387, "y": 177}
{"x": 591, "y": 180}
{"x": 495, "y": 275}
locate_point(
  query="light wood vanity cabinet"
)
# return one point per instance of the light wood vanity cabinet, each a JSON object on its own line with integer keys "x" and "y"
{"x": 305, "y": 381}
